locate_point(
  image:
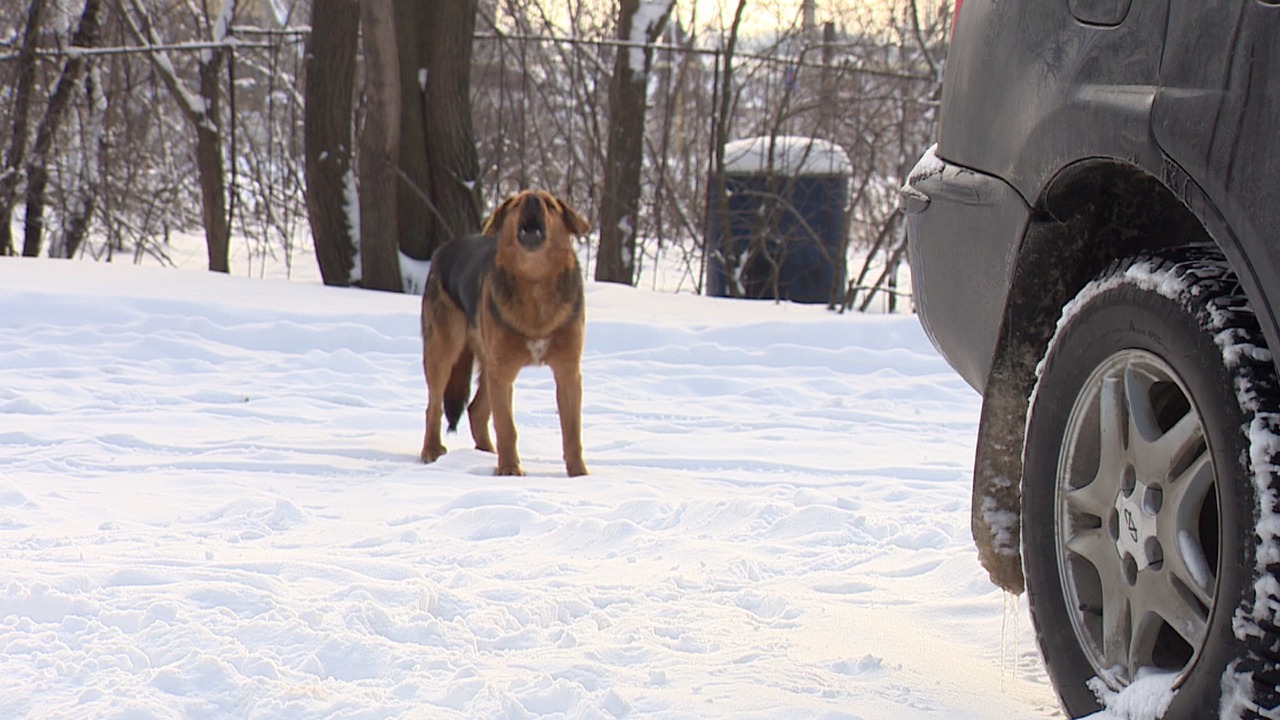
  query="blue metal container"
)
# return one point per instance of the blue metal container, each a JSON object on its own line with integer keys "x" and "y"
{"x": 779, "y": 232}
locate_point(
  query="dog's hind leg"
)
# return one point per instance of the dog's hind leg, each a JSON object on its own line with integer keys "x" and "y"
{"x": 478, "y": 413}
{"x": 432, "y": 448}
{"x": 569, "y": 405}
{"x": 443, "y": 340}
{"x": 437, "y": 370}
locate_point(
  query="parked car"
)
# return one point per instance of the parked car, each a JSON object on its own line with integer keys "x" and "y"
{"x": 1095, "y": 247}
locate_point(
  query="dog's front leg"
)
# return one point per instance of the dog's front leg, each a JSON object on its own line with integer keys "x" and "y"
{"x": 569, "y": 404}
{"x": 500, "y": 382}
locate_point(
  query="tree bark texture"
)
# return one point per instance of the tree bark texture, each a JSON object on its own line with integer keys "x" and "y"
{"x": 84, "y": 184}
{"x": 213, "y": 186}
{"x": 620, "y": 202}
{"x": 330, "y": 68}
{"x": 16, "y": 154}
{"x": 379, "y": 149}
{"x": 722, "y": 246}
{"x": 86, "y": 35}
{"x": 78, "y": 225}
{"x": 203, "y": 114}
{"x": 413, "y": 21}
{"x": 453, "y": 164}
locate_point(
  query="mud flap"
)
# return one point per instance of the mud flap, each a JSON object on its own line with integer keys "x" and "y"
{"x": 997, "y": 486}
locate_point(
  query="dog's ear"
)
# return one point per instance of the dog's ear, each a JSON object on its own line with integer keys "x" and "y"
{"x": 574, "y": 222}
{"x": 497, "y": 216}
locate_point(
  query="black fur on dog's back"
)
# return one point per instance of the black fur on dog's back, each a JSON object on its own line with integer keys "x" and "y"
{"x": 469, "y": 260}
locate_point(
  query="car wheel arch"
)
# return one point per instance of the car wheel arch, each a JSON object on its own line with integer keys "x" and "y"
{"x": 1091, "y": 213}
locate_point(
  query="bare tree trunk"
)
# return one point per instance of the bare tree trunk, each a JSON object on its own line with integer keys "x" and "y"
{"x": 414, "y": 21}
{"x": 213, "y": 188}
{"x": 86, "y": 35}
{"x": 379, "y": 149}
{"x": 620, "y": 204}
{"x": 82, "y": 199}
{"x": 330, "y": 81}
{"x": 452, "y": 163}
{"x": 724, "y": 242}
{"x": 78, "y": 224}
{"x": 202, "y": 112}
{"x": 827, "y": 101}
{"x": 14, "y": 158}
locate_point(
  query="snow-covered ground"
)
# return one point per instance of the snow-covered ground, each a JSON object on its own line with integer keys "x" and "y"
{"x": 211, "y": 506}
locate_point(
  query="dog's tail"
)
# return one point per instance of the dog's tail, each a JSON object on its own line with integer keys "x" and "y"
{"x": 458, "y": 391}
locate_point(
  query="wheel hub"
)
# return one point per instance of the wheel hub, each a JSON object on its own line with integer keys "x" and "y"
{"x": 1135, "y": 541}
{"x": 1136, "y": 525}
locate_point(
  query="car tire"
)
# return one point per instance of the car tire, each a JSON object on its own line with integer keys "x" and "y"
{"x": 1149, "y": 459}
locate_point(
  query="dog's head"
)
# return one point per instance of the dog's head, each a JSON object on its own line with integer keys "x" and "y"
{"x": 535, "y": 232}
{"x": 532, "y": 217}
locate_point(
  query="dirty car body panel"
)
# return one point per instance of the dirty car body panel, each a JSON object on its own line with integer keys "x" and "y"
{"x": 1074, "y": 134}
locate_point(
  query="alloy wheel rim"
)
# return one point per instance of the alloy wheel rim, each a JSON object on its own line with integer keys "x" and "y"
{"x": 1138, "y": 521}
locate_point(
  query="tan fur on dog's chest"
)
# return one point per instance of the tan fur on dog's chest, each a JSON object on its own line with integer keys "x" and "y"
{"x": 534, "y": 318}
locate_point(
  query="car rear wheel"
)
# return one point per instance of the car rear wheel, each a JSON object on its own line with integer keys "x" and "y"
{"x": 1141, "y": 499}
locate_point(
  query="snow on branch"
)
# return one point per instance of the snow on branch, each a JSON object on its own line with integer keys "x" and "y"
{"x": 218, "y": 33}
{"x": 646, "y": 24}
{"x": 181, "y": 47}
{"x": 193, "y": 106}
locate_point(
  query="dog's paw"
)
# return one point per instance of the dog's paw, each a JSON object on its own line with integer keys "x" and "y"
{"x": 431, "y": 454}
{"x": 577, "y": 469}
{"x": 509, "y": 470}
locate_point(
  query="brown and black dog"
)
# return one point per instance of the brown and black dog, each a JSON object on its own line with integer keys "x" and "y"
{"x": 504, "y": 299}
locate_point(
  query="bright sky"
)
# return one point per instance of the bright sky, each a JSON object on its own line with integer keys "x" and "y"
{"x": 762, "y": 14}
{"x": 774, "y": 15}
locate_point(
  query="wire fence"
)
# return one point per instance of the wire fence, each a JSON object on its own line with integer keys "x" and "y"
{"x": 124, "y": 161}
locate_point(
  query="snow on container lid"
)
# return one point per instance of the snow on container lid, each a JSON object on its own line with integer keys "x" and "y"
{"x": 792, "y": 156}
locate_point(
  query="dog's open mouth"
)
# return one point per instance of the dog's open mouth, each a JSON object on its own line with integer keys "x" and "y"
{"x": 533, "y": 231}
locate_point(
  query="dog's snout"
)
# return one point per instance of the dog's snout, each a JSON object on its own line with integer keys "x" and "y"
{"x": 533, "y": 229}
